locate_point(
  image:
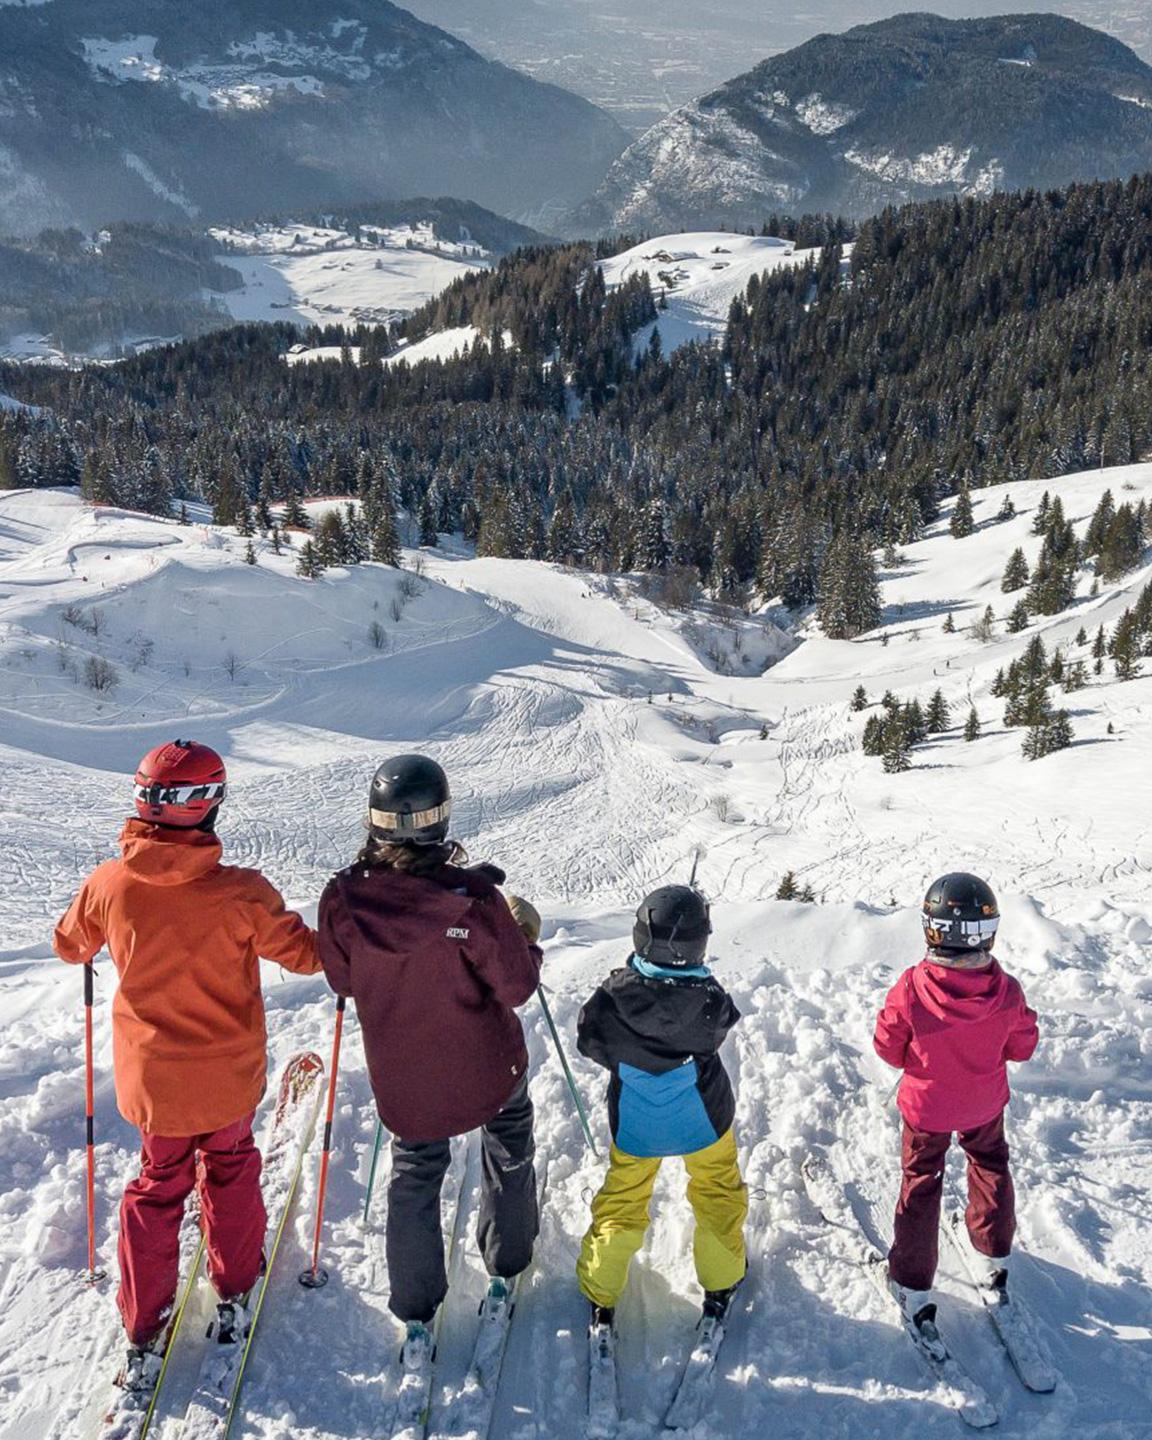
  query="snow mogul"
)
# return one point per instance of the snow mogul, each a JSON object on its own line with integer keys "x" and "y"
{"x": 952, "y": 1023}
{"x": 437, "y": 962}
{"x": 657, "y": 1025}
{"x": 189, "y": 1043}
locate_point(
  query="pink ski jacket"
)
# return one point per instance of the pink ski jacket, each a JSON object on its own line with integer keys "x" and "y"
{"x": 952, "y": 1032}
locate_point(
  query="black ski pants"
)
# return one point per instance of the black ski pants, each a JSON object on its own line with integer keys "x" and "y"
{"x": 509, "y": 1219}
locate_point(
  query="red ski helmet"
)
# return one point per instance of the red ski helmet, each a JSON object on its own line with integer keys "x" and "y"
{"x": 180, "y": 784}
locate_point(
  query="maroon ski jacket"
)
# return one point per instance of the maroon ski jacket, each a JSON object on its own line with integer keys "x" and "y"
{"x": 436, "y": 966}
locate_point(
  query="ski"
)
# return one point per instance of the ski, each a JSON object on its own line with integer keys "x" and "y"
{"x": 214, "y": 1401}
{"x": 469, "y": 1412}
{"x": 412, "y": 1404}
{"x": 1012, "y": 1322}
{"x": 687, "y": 1408}
{"x": 130, "y": 1412}
{"x": 603, "y": 1386}
{"x": 963, "y": 1393}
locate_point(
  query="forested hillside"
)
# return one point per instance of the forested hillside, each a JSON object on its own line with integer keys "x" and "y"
{"x": 964, "y": 343}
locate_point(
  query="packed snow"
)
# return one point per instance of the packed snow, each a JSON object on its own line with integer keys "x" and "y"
{"x": 698, "y": 275}
{"x": 312, "y": 275}
{"x": 595, "y": 751}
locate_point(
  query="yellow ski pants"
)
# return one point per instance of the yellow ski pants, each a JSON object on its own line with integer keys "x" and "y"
{"x": 620, "y": 1217}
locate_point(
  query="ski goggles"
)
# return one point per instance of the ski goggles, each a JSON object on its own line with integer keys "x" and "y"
{"x": 962, "y": 934}
{"x": 412, "y": 820}
{"x": 180, "y": 794}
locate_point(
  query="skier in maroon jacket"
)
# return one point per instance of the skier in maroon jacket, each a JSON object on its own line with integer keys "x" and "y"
{"x": 437, "y": 960}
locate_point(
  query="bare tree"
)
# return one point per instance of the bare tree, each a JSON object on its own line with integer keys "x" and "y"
{"x": 100, "y": 674}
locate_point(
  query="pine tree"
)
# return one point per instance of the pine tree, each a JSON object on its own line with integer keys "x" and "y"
{"x": 1043, "y": 510}
{"x": 1075, "y": 677}
{"x": 972, "y": 725}
{"x": 1081, "y": 636}
{"x": 889, "y": 702}
{"x": 1099, "y": 645}
{"x": 1100, "y": 524}
{"x": 807, "y": 895}
{"x": 962, "y": 523}
{"x": 949, "y": 626}
{"x": 9, "y": 479}
{"x": 999, "y": 685}
{"x": 1016, "y": 573}
{"x": 1123, "y": 545}
{"x": 915, "y": 725}
{"x": 1018, "y": 618}
{"x": 875, "y": 732}
{"x": 849, "y": 601}
{"x": 1046, "y": 736}
{"x": 938, "y": 718}
{"x": 249, "y": 554}
{"x": 1007, "y": 509}
{"x": 309, "y": 566}
{"x": 788, "y": 889}
{"x": 897, "y": 747}
{"x": 860, "y": 698}
{"x": 1125, "y": 647}
{"x": 383, "y": 529}
{"x": 429, "y": 531}
{"x": 295, "y": 515}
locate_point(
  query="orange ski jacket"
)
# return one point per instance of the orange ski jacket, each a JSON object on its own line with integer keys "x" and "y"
{"x": 186, "y": 934}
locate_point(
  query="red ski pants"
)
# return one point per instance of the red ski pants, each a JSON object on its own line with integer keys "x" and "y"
{"x": 232, "y": 1214}
{"x": 991, "y": 1212}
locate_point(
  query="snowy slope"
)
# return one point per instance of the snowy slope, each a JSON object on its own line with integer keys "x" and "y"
{"x": 594, "y": 752}
{"x": 309, "y": 275}
{"x": 699, "y": 275}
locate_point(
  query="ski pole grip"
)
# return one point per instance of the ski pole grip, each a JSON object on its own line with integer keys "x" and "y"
{"x": 89, "y": 985}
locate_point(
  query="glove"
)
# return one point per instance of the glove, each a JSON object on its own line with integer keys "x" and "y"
{"x": 527, "y": 917}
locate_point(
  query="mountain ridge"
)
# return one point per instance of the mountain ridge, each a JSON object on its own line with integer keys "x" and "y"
{"x": 144, "y": 110}
{"x": 913, "y": 107}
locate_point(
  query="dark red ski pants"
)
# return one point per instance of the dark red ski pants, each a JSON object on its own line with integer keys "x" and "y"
{"x": 991, "y": 1212}
{"x": 232, "y": 1213}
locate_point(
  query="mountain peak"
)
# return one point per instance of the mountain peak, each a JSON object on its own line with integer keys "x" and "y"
{"x": 907, "y": 108}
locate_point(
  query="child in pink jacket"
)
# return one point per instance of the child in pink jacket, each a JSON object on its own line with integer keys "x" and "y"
{"x": 951, "y": 1024}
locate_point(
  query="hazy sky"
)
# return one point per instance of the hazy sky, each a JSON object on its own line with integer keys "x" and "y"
{"x": 640, "y": 58}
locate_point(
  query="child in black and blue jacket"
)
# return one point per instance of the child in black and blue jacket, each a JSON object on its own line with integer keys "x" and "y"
{"x": 657, "y": 1025}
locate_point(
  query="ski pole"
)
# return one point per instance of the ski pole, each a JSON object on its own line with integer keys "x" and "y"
{"x": 567, "y": 1071}
{"x": 315, "y": 1278}
{"x": 372, "y": 1168}
{"x": 94, "y": 1275}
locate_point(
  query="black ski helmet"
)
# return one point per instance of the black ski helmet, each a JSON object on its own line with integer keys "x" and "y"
{"x": 672, "y": 928}
{"x": 409, "y": 803}
{"x": 960, "y": 913}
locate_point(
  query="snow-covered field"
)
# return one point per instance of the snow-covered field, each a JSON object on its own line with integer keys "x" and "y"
{"x": 310, "y": 275}
{"x": 699, "y": 274}
{"x": 595, "y": 752}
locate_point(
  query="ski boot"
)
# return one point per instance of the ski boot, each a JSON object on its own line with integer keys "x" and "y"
{"x": 418, "y": 1348}
{"x": 498, "y": 1298}
{"x": 232, "y": 1322}
{"x": 995, "y": 1279}
{"x": 602, "y": 1317}
{"x": 919, "y": 1312}
{"x": 717, "y": 1303}
{"x": 141, "y": 1369}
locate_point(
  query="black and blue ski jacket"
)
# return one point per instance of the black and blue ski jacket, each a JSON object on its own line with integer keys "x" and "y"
{"x": 659, "y": 1036}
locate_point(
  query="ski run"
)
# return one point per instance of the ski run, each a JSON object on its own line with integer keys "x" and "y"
{"x": 595, "y": 751}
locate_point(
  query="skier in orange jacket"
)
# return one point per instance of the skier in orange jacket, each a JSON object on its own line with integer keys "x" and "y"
{"x": 188, "y": 1035}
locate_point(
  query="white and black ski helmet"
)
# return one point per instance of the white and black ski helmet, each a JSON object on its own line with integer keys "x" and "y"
{"x": 960, "y": 913}
{"x": 409, "y": 803}
{"x": 672, "y": 928}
